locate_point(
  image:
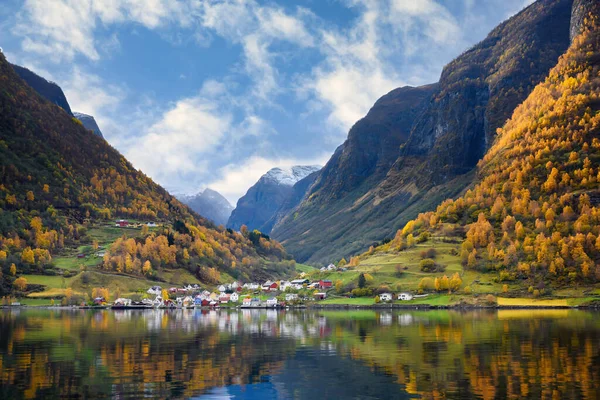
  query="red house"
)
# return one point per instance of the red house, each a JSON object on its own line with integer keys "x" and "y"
{"x": 205, "y": 303}
{"x": 122, "y": 223}
{"x": 325, "y": 284}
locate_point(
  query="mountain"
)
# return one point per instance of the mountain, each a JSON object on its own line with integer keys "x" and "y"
{"x": 61, "y": 188}
{"x": 532, "y": 216}
{"x": 48, "y": 90}
{"x": 88, "y": 122}
{"x": 418, "y": 146}
{"x": 210, "y": 204}
{"x": 264, "y": 199}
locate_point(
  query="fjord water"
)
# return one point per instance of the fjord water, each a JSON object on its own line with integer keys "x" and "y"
{"x": 268, "y": 354}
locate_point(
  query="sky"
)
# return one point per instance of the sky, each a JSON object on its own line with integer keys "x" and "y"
{"x": 214, "y": 93}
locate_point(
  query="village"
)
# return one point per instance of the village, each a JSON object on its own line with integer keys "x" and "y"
{"x": 296, "y": 293}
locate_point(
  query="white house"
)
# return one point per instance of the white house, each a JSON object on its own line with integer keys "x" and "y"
{"x": 405, "y": 296}
{"x": 151, "y": 224}
{"x": 234, "y": 285}
{"x": 251, "y": 286}
{"x": 205, "y": 294}
{"x": 222, "y": 288}
{"x": 291, "y": 297}
{"x": 385, "y": 297}
{"x": 155, "y": 290}
{"x": 234, "y": 297}
{"x": 331, "y": 267}
{"x": 271, "y": 302}
{"x": 284, "y": 285}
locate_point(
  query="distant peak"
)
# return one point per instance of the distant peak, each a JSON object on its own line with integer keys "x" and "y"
{"x": 290, "y": 175}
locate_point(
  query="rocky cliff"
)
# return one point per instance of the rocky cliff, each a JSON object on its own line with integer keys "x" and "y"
{"x": 583, "y": 10}
{"x": 432, "y": 141}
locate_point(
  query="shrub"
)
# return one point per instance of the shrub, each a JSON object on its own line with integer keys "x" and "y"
{"x": 399, "y": 270}
{"x": 467, "y": 290}
{"x": 383, "y": 289}
{"x": 490, "y": 299}
{"x": 365, "y": 292}
{"x": 428, "y": 265}
{"x": 426, "y": 284}
{"x": 429, "y": 253}
{"x": 423, "y": 237}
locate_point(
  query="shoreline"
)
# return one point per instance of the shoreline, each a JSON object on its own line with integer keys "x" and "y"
{"x": 375, "y": 307}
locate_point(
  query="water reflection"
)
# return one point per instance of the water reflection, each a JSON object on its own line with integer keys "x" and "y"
{"x": 264, "y": 354}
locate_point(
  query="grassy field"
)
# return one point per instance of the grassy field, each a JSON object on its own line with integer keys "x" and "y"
{"x": 35, "y": 301}
{"x": 72, "y": 263}
{"x": 401, "y": 271}
{"x": 84, "y": 282}
{"x": 305, "y": 268}
{"x": 525, "y": 302}
{"x": 49, "y": 281}
{"x": 358, "y": 301}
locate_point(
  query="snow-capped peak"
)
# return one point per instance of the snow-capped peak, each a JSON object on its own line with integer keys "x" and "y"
{"x": 289, "y": 176}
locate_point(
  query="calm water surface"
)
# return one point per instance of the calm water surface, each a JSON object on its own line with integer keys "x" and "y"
{"x": 260, "y": 354}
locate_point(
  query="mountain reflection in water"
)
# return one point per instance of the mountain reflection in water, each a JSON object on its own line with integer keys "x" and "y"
{"x": 267, "y": 354}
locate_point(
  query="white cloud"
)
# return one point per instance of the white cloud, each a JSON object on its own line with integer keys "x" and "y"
{"x": 61, "y": 29}
{"x": 256, "y": 28}
{"x": 373, "y": 56}
{"x": 172, "y": 147}
{"x": 236, "y": 178}
{"x": 87, "y": 93}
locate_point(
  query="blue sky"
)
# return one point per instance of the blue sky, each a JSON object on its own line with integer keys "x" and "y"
{"x": 201, "y": 93}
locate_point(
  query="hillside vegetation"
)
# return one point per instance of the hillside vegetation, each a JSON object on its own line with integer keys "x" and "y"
{"x": 532, "y": 220}
{"x": 58, "y": 180}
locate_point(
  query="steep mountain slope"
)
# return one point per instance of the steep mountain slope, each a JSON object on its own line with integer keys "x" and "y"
{"x": 433, "y": 141}
{"x": 48, "y": 90}
{"x": 88, "y": 122}
{"x": 210, "y": 204}
{"x": 56, "y": 178}
{"x": 534, "y": 213}
{"x": 264, "y": 199}
{"x": 298, "y": 193}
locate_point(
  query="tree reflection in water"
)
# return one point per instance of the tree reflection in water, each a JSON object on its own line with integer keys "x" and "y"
{"x": 304, "y": 354}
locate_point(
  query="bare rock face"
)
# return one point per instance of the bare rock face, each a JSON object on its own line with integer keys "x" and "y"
{"x": 583, "y": 10}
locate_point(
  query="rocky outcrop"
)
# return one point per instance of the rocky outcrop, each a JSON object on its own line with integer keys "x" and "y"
{"x": 48, "y": 90}
{"x": 88, "y": 122}
{"x": 583, "y": 10}
{"x": 380, "y": 178}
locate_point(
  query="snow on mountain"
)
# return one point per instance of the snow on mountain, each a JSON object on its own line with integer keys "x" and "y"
{"x": 88, "y": 122}
{"x": 289, "y": 176}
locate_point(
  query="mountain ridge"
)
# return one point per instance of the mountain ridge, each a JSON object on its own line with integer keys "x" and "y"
{"x": 477, "y": 92}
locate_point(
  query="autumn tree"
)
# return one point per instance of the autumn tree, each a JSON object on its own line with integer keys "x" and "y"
{"x": 20, "y": 283}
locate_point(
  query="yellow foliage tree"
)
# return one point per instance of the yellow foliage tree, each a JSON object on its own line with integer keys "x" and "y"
{"x": 20, "y": 284}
